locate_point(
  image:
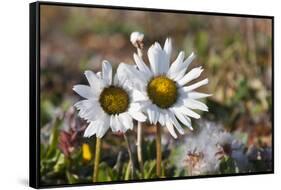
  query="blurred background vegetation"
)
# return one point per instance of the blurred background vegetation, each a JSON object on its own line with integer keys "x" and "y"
{"x": 234, "y": 51}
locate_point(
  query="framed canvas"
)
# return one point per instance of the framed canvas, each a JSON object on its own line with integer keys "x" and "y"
{"x": 122, "y": 94}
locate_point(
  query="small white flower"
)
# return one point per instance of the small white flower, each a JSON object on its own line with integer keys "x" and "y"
{"x": 136, "y": 37}
{"x": 162, "y": 88}
{"x": 109, "y": 102}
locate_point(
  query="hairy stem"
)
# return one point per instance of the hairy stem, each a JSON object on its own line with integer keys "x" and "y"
{"x": 139, "y": 148}
{"x": 158, "y": 150}
{"x": 139, "y": 129}
{"x": 97, "y": 159}
{"x": 130, "y": 156}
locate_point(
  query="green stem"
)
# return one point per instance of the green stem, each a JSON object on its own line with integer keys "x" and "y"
{"x": 97, "y": 160}
{"x": 158, "y": 150}
{"x": 139, "y": 130}
{"x": 128, "y": 171}
{"x": 130, "y": 156}
{"x": 139, "y": 148}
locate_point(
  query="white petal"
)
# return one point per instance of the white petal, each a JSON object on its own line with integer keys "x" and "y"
{"x": 157, "y": 46}
{"x": 191, "y": 75}
{"x": 91, "y": 129}
{"x": 158, "y": 59}
{"x": 102, "y": 130}
{"x": 115, "y": 124}
{"x": 99, "y": 75}
{"x": 134, "y": 75}
{"x": 95, "y": 83}
{"x": 197, "y": 95}
{"x": 112, "y": 123}
{"x": 84, "y": 105}
{"x": 97, "y": 128}
{"x": 121, "y": 75}
{"x": 138, "y": 95}
{"x": 161, "y": 119}
{"x": 184, "y": 66}
{"x": 157, "y": 113}
{"x": 137, "y": 115}
{"x": 89, "y": 109}
{"x": 179, "y": 67}
{"x": 149, "y": 115}
{"x": 91, "y": 77}
{"x": 126, "y": 120}
{"x": 195, "y": 104}
{"x": 175, "y": 122}
{"x": 115, "y": 80}
{"x": 154, "y": 59}
{"x": 168, "y": 48}
{"x": 84, "y": 91}
{"x": 136, "y": 106}
{"x": 187, "y": 111}
{"x": 183, "y": 119}
{"x": 175, "y": 66}
{"x": 195, "y": 85}
{"x": 151, "y": 112}
{"x": 189, "y": 60}
{"x": 105, "y": 126}
{"x": 107, "y": 72}
{"x": 141, "y": 65}
{"x": 118, "y": 125}
{"x": 170, "y": 127}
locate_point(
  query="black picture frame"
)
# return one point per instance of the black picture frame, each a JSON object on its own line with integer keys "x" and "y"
{"x": 34, "y": 93}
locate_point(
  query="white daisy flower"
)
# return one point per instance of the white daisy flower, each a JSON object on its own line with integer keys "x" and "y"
{"x": 163, "y": 89}
{"x": 109, "y": 102}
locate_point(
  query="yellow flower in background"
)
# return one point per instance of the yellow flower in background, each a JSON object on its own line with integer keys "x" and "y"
{"x": 86, "y": 152}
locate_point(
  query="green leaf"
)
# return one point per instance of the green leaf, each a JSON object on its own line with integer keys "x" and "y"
{"x": 53, "y": 141}
{"x": 227, "y": 165}
{"x": 72, "y": 178}
{"x": 150, "y": 169}
{"x": 60, "y": 164}
{"x": 128, "y": 171}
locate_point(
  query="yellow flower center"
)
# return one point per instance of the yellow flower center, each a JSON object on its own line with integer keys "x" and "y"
{"x": 162, "y": 91}
{"x": 114, "y": 100}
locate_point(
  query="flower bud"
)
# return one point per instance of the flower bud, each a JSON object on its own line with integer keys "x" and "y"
{"x": 136, "y": 39}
